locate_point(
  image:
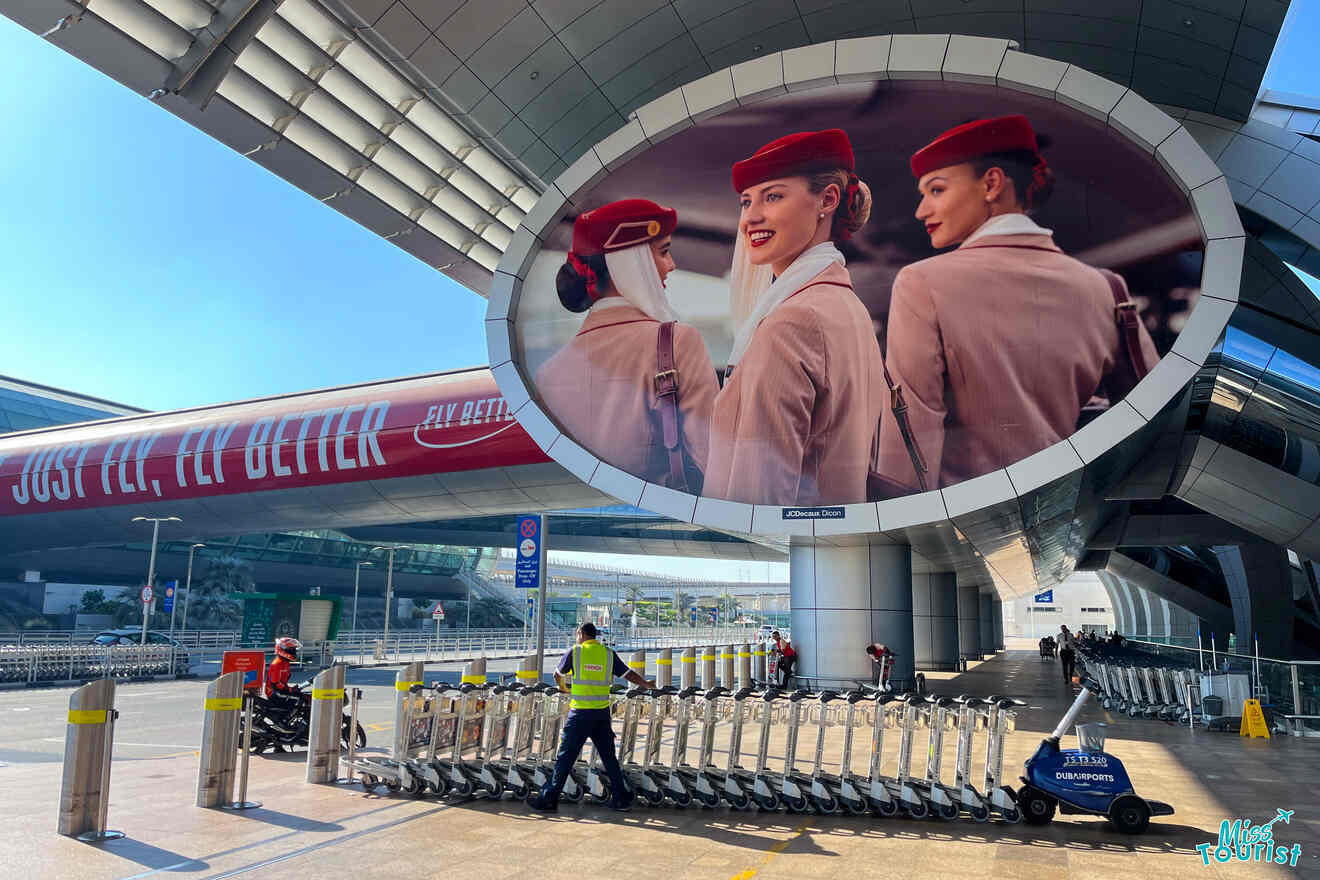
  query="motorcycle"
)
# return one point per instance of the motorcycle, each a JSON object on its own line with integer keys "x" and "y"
{"x": 291, "y": 732}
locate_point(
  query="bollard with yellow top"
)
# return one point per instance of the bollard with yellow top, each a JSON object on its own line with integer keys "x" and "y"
{"x": 88, "y": 747}
{"x": 527, "y": 673}
{"x": 708, "y": 658}
{"x": 759, "y": 661}
{"x": 637, "y": 663}
{"x": 410, "y": 675}
{"x": 727, "y": 657}
{"x": 664, "y": 668}
{"x": 687, "y": 673}
{"x": 326, "y": 725}
{"x": 744, "y": 666}
{"x": 215, "y": 770}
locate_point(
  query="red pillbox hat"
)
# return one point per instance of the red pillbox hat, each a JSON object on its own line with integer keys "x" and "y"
{"x": 799, "y": 153}
{"x": 973, "y": 139}
{"x": 621, "y": 224}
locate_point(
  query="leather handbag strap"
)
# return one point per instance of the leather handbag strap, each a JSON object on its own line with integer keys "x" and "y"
{"x": 666, "y": 393}
{"x": 1129, "y": 325}
{"x": 899, "y": 407}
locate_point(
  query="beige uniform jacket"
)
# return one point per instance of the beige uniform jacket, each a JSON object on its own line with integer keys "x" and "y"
{"x": 997, "y": 346}
{"x": 601, "y": 388}
{"x": 794, "y": 423}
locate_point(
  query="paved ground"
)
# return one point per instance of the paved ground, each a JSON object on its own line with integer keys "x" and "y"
{"x": 328, "y": 831}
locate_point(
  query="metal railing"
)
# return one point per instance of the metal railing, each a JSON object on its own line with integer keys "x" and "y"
{"x": 38, "y": 664}
{"x": 1292, "y": 686}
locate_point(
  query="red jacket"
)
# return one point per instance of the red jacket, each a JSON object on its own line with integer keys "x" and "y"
{"x": 277, "y": 676}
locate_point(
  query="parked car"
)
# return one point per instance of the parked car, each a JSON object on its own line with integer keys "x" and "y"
{"x": 131, "y": 636}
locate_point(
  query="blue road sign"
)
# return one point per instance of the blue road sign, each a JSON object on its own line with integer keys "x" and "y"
{"x": 531, "y": 608}
{"x": 1045, "y": 598}
{"x": 167, "y": 603}
{"x": 527, "y": 559}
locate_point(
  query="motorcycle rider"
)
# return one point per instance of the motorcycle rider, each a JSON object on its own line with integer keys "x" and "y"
{"x": 282, "y": 698}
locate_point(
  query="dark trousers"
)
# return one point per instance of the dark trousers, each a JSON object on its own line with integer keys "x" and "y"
{"x": 578, "y": 728}
{"x": 785, "y": 668}
{"x": 1068, "y": 659}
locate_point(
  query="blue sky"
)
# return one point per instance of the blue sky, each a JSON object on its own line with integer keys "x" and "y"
{"x": 154, "y": 266}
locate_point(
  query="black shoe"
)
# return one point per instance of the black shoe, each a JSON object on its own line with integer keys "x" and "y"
{"x": 621, "y": 806}
{"x": 536, "y": 802}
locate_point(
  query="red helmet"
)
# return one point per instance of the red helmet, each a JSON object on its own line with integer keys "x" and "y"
{"x": 287, "y": 647}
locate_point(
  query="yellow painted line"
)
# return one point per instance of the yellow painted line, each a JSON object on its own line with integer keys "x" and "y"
{"x": 378, "y": 727}
{"x": 775, "y": 850}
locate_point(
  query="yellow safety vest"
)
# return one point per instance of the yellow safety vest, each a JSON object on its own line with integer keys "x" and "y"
{"x": 592, "y": 676}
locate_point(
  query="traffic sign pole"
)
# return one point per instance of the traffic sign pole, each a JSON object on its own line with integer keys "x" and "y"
{"x": 151, "y": 578}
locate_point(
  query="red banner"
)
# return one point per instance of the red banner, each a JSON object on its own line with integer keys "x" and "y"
{"x": 433, "y": 424}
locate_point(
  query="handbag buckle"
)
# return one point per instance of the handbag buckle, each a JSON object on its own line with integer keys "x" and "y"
{"x": 666, "y": 382}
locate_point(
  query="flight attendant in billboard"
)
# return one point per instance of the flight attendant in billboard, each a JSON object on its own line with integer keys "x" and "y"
{"x": 998, "y": 344}
{"x": 795, "y": 421}
{"x": 634, "y": 386}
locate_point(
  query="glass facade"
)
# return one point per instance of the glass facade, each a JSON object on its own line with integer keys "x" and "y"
{"x": 38, "y": 407}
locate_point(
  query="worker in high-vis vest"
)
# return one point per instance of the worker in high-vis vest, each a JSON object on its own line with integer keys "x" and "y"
{"x": 586, "y": 672}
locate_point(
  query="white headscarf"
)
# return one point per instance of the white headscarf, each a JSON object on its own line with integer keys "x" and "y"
{"x": 754, "y": 292}
{"x": 633, "y": 273}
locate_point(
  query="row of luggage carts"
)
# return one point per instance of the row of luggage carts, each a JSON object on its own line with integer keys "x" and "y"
{"x": 493, "y": 740}
{"x": 1143, "y": 685}
{"x": 35, "y": 664}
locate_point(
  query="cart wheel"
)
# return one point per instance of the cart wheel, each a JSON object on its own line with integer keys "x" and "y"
{"x": 520, "y": 792}
{"x": 393, "y": 785}
{"x": 464, "y": 788}
{"x": 919, "y": 810}
{"x": 711, "y": 800}
{"x": 653, "y": 798}
{"x": 738, "y": 801}
{"x": 1012, "y": 816}
{"x": 415, "y": 787}
{"x": 496, "y": 791}
{"x": 368, "y": 781}
{"x": 572, "y": 795}
{"x": 679, "y": 800}
{"x": 884, "y": 808}
{"x": 948, "y": 812}
{"x": 796, "y": 805}
{"x": 980, "y": 814}
{"x": 855, "y": 808}
{"x": 1129, "y": 814}
{"x": 1037, "y": 807}
{"x": 768, "y": 804}
{"x": 605, "y": 793}
{"x": 829, "y": 804}
{"x": 440, "y": 787}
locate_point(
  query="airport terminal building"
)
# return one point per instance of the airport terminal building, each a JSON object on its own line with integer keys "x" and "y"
{"x": 474, "y": 135}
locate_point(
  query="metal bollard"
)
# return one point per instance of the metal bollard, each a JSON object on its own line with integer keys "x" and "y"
{"x": 759, "y": 661}
{"x": 688, "y": 671}
{"x": 324, "y": 731}
{"x": 475, "y": 672}
{"x": 708, "y": 667}
{"x": 527, "y": 671}
{"x": 215, "y": 770}
{"x": 664, "y": 668}
{"x": 727, "y": 656}
{"x": 88, "y": 751}
{"x": 744, "y": 666}
{"x": 638, "y": 663}
{"x": 355, "y": 697}
{"x": 244, "y": 753}
{"x": 404, "y": 680}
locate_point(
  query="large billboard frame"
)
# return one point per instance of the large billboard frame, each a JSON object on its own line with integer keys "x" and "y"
{"x": 955, "y": 58}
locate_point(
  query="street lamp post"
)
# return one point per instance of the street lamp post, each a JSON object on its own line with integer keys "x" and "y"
{"x": 151, "y": 565}
{"x": 389, "y": 589}
{"x": 357, "y": 573}
{"x": 187, "y": 589}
